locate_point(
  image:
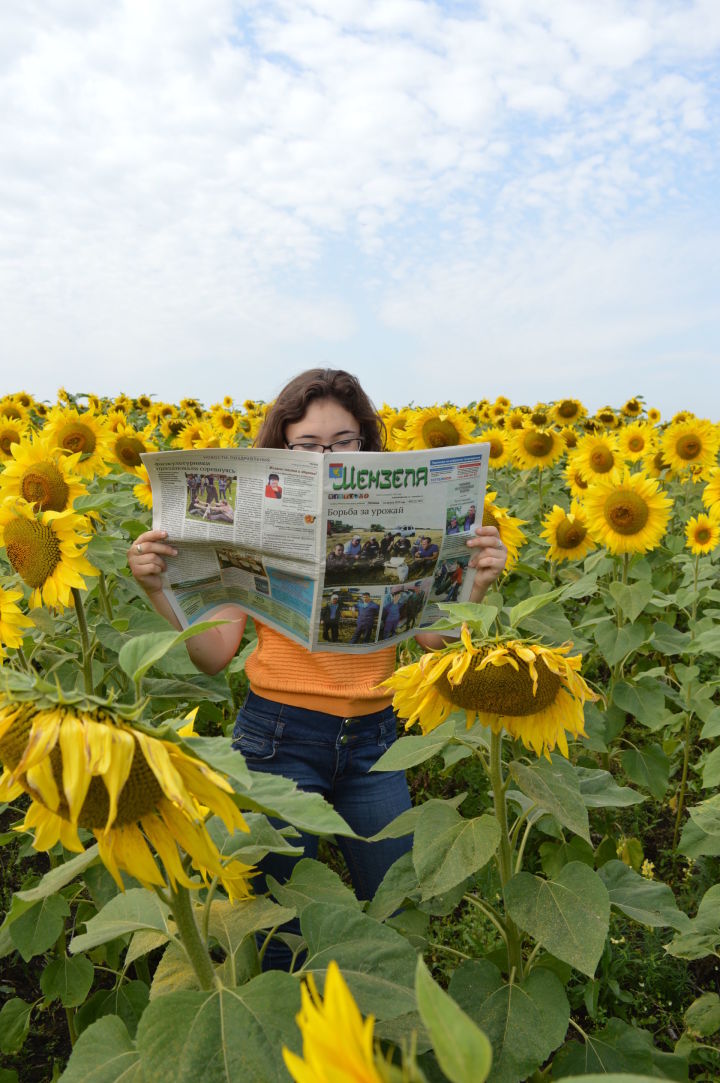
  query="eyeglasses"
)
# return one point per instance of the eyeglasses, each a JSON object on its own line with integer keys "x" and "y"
{"x": 352, "y": 443}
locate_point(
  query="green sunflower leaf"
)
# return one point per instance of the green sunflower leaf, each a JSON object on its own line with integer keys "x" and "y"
{"x": 569, "y": 915}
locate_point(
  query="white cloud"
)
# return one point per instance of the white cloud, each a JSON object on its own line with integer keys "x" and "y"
{"x": 581, "y": 317}
{"x": 175, "y": 174}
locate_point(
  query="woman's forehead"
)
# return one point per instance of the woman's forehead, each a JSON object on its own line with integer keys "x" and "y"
{"x": 324, "y": 418}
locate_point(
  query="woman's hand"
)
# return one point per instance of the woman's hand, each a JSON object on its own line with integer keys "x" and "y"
{"x": 145, "y": 559}
{"x": 488, "y": 559}
{"x": 210, "y": 651}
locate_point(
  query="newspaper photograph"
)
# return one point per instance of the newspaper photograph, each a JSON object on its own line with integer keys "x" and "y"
{"x": 345, "y": 553}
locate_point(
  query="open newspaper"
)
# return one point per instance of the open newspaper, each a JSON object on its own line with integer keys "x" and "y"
{"x": 343, "y": 553}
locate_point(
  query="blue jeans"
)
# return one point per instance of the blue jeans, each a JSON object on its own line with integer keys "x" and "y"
{"x": 331, "y": 755}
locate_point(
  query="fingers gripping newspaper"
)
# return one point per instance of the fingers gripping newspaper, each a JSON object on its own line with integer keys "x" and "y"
{"x": 339, "y": 552}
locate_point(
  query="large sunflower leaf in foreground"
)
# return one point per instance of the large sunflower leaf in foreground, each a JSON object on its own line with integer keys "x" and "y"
{"x": 86, "y": 766}
{"x": 533, "y": 692}
{"x": 46, "y": 550}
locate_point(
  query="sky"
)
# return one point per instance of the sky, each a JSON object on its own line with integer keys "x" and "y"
{"x": 452, "y": 200}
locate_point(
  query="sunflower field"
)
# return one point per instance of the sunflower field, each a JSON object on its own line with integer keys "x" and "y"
{"x": 558, "y": 916}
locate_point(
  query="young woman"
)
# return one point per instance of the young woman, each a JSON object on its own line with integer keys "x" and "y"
{"x": 317, "y": 718}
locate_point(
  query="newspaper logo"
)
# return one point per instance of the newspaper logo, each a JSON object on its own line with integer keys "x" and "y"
{"x": 335, "y": 471}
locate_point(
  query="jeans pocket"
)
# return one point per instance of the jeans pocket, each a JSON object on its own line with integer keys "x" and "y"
{"x": 387, "y": 734}
{"x": 257, "y": 736}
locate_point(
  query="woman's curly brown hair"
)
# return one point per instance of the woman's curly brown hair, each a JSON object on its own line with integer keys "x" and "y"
{"x": 294, "y": 399}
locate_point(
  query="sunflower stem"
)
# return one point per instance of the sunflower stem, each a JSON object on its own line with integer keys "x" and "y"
{"x": 682, "y": 792}
{"x": 208, "y": 906}
{"x": 521, "y": 850}
{"x": 105, "y": 596}
{"x": 196, "y": 950}
{"x": 504, "y": 855}
{"x": 490, "y": 913}
{"x": 531, "y": 957}
{"x": 72, "y": 1032}
{"x": 84, "y": 640}
{"x": 686, "y": 763}
{"x": 448, "y": 950}
{"x": 20, "y": 654}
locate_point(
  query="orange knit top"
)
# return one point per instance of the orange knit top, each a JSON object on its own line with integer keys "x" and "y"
{"x": 340, "y": 684}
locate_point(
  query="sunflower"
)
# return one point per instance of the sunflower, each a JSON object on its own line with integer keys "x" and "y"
{"x": 86, "y": 767}
{"x": 567, "y": 411}
{"x": 654, "y": 416}
{"x": 391, "y": 419}
{"x": 508, "y": 527}
{"x": 337, "y": 1043}
{"x": 702, "y": 533}
{"x": 628, "y": 517}
{"x": 598, "y": 457}
{"x": 497, "y": 411}
{"x": 536, "y": 448}
{"x": 576, "y": 481}
{"x": 567, "y": 533}
{"x": 11, "y": 432}
{"x": 122, "y": 402}
{"x": 533, "y": 692}
{"x": 570, "y": 437}
{"x": 127, "y": 447}
{"x": 171, "y": 425}
{"x": 116, "y": 419}
{"x": 82, "y": 433}
{"x": 143, "y": 403}
{"x": 636, "y": 440}
{"x": 632, "y": 408}
{"x": 711, "y": 492}
{"x": 435, "y": 426}
{"x": 503, "y": 400}
{"x": 606, "y": 418}
{"x": 225, "y": 421}
{"x": 540, "y": 416}
{"x": 42, "y": 475}
{"x": 46, "y": 551}
{"x": 12, "y": 410}
{"x": 692, "y": 443}
{"x": 516, "y": 419}
{"x": 143, "y": 490}
{"x": 24, "y": 399}
{"x": 197, "y": 434}
{"x": 12, "y": 620}
{"x": 654, "y": 463}
{"x": 499, "y": 446}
